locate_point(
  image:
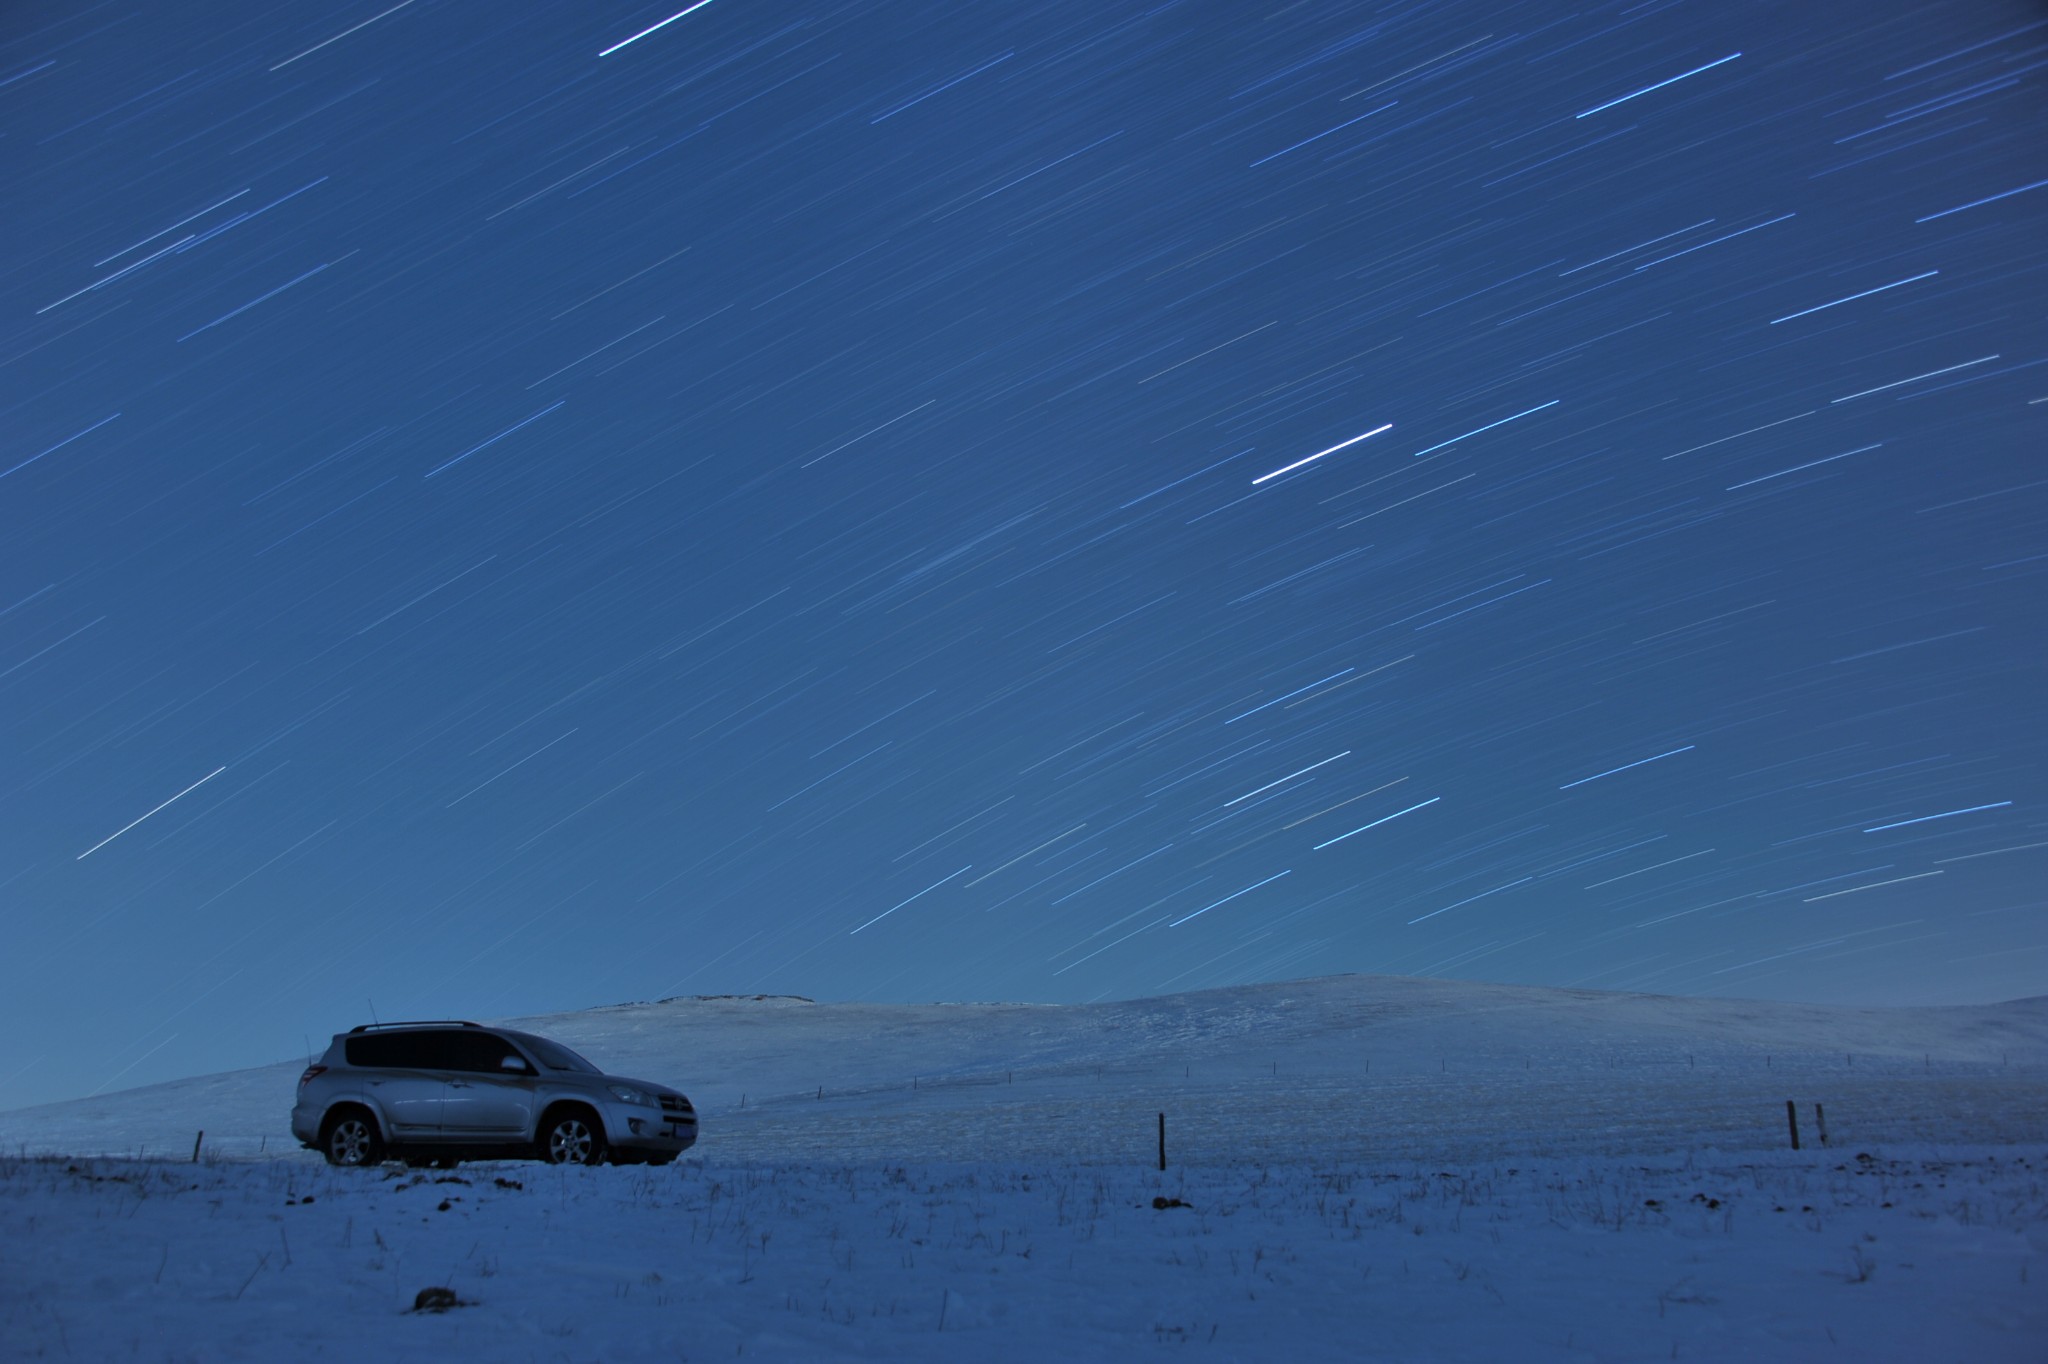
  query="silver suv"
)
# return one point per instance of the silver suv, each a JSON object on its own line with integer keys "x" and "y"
{"x": 441, "y": 1092}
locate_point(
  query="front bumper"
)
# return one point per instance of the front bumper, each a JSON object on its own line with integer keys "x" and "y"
{"x": 650, "y": 1131}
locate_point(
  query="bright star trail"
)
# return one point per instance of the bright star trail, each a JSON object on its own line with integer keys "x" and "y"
{"x": 654, "y": 28}
{"x": 133, "y": 822}
{"x": 1011, "y": 502}
{"x": 1340, "y": 445}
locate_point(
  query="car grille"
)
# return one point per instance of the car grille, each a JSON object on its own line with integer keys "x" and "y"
{"x": 670, "y": 1103}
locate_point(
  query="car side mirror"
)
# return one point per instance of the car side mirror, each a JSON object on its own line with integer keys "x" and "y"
{"x": 512, "y": 1063}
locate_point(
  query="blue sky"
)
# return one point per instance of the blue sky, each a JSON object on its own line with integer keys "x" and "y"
{"x": 513, "y": 510}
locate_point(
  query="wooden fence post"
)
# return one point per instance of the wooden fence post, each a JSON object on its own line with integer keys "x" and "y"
{"x": 1820, "y": 1120}
{"x": 195, "y": 1145}
{"x": 1162, "y": 1141}
{"x": 1792, "y": 1121}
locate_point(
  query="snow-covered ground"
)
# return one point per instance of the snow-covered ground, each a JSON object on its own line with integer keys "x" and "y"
{"x": 1359, "y": 1168}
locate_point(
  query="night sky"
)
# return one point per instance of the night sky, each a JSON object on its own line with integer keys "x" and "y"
{"x": 510, "y": 508}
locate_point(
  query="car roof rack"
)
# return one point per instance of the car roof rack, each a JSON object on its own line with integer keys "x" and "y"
{"x": 416, "y": 1023}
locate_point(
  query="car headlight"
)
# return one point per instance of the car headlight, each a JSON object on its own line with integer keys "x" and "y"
{"x": 630, "y": 1095}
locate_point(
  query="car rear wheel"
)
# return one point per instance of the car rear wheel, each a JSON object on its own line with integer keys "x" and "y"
{"x": 572, "y": 1139}
{"x": 352, "y": 1140}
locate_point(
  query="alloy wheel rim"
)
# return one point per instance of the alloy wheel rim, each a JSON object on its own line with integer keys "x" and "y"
{"x": 351, "y": 1141}
{"x": 569, "y": 1143}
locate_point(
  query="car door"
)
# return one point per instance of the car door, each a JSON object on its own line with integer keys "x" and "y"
{"x": 405, "y": 1076}
{"x": 485, "y": 1100}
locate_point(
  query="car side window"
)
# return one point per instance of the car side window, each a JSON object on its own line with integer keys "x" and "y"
{"x": 437, "y": 1050}
{"x": 378, "y": 1050}
{"x": 486, "y": 1053}
{"x": 403, "y": 1050}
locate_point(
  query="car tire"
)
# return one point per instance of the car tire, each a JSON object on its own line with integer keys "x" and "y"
{"x": 350, "y": 1139}
{"x": 572, "y": 1136}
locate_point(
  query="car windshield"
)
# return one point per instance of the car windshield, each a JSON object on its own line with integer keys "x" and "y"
{"x": 555, "y": 1056}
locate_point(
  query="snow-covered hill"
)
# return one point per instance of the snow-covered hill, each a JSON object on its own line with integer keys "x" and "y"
{"x": 1351, "y": 1066}
{"x": 1360, "y": 1168}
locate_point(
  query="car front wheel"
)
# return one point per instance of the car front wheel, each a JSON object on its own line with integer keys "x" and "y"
{"x": 572, "y": 1139}
{"x": 352, "y": 1141}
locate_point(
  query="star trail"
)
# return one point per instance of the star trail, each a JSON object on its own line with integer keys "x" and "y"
{"x": 564, "y": 503}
